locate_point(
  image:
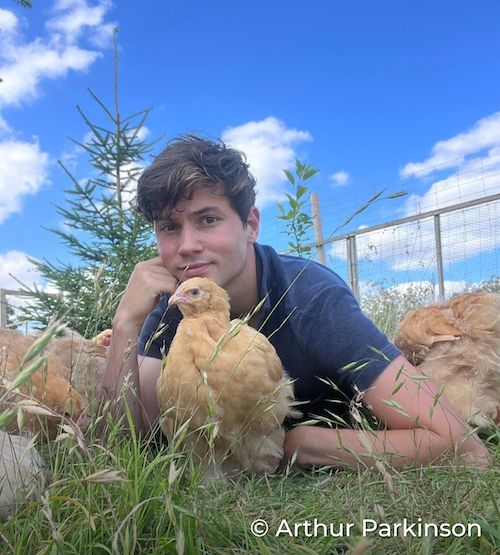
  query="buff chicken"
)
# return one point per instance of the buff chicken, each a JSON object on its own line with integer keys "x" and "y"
{"x": 45, "y": 399}
{"x": 223, "y": 392}
{"x": 84, "y": 363}
{"x": 457, "y": 344}
{"x": 48, "y": 386}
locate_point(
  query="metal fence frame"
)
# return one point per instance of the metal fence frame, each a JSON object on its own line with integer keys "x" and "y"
{"x": 351, "y": 247}
{"x": 4, "y": 293}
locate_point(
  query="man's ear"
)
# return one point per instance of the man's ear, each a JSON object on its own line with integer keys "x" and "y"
{"x": 253, "y": 224}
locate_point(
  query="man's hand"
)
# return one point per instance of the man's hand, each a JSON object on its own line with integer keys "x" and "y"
{"x": 148, "y": 281}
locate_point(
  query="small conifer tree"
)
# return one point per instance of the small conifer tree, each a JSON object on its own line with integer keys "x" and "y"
{"x": 104, "y": 236}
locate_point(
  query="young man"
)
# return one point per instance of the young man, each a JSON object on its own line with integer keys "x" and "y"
{"x": 200, "y": 197}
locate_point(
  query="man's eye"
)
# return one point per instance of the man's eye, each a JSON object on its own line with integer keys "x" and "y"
{"x": 168, "y": 227}
{"x": 209, "y": 220}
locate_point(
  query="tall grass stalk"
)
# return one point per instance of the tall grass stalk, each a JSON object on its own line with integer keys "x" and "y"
{"x": 123, "y": 496}
{"x": 111, "y": 493}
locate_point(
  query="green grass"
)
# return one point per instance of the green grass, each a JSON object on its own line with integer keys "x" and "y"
{"x": 109, "y": 494}
{"x": 114, "y": 495}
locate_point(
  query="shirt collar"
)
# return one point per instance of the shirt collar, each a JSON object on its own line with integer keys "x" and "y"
{"x": 263, "y": 270}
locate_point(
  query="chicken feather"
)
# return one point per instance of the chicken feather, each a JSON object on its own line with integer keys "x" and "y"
{"x": 223, "y": 385}
{"x": 48, "y": 385}
{"x": 457, "y": 344}
{"x": 84, "y": 364}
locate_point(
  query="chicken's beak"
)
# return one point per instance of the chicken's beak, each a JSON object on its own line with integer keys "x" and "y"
{"x": 176, "y": 298}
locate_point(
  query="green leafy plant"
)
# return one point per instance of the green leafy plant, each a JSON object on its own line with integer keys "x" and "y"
{"x": 387, "y": 305}
{"x": 492, "y": 285}
{"x": 298, "y": 221}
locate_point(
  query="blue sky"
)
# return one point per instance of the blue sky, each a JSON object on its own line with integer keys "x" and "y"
{"x": 403, "y": 95}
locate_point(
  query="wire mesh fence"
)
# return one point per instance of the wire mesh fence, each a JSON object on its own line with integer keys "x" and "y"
{"x": 417, "y": 260}
{"x": 451, "y": 249}
{"x": 445, "y": 240}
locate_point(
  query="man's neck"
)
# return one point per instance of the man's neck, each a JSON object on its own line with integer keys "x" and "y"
{"x": 244, "y": 293}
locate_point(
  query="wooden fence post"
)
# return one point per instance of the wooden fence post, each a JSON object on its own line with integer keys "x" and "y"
{"x": 318, "y": 228}
{"x": 439, "y": 255}
{"x": 3, "y": 308}
{"x": 352, "y": 264}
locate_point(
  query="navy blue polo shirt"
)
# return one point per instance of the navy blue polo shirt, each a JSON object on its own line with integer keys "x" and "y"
{"x": 326, "y": 343}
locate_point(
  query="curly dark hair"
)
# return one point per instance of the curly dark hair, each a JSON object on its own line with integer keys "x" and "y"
{"x": 188, "y": 162}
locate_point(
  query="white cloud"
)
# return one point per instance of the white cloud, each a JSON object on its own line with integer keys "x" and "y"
{"x": 408, "y": 247}
{"x": 15, "y": 263}
{"x": 23, "y": 171}
{"x": 8, "y": 21}
{"x": 270, "y": 148}
{"x": 142, "y": 134}
{"x": 5, "y": 128}
{"x": 475, "y": 178}
{"x": 475, "y": 173}
{"x": 75, "y": 16}
{"x": 390, "y": 303}
{"x": 17, "y": 271}
{"x": 411, "y": 246}
{"x": 24, "y": 64}
{"x": 339, "y": 178}
{"x": 129, "y": 175}
{"x": 485, "y": 134}
{"x": 463, "y": 168}
{"x": 33, "y": 62}
{"x": 451, "y": 288}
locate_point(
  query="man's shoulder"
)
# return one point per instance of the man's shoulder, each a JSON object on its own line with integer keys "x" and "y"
{"x": 305, "y": 275}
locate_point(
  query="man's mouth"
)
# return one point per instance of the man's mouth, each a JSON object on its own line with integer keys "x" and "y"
{"x": 192, "y": 270}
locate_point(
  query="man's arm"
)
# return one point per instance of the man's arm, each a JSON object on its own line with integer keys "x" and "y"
{"x": 122, "y": 366}
{"x": 148, "y": 281}
{"x": 149, "y": 372}
{"x": 421, "y": 424}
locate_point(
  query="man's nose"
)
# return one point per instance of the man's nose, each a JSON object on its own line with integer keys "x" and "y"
{"x": 189, "y": 241}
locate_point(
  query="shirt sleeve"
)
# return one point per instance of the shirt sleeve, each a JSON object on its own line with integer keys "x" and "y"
{"x": 158, "y": 330}
{"x": 344, "y": 344}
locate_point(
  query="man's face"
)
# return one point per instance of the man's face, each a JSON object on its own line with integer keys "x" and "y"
{"x": 205, "y": 237}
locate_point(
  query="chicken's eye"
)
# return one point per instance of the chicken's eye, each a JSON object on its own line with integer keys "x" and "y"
{"x": 195, "y": 292}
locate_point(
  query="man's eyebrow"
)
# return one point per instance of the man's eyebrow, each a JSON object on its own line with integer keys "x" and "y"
{"x": 205, "y": 209}
{"x": 171, "y": 216}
